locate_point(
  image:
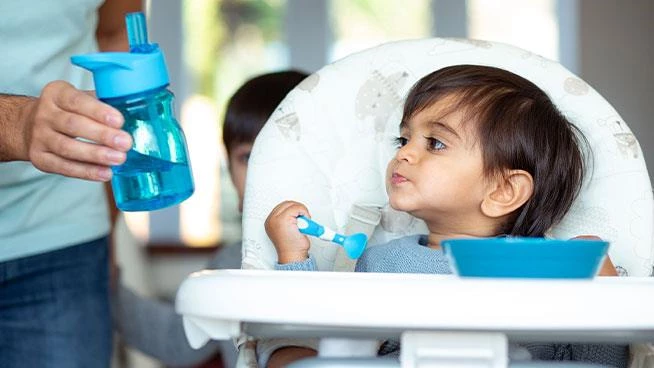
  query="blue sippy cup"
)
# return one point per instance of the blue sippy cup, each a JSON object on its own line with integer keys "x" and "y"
{"x": 156, "y": 173}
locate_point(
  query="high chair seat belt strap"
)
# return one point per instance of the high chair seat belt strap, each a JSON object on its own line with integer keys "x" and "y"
{"x": 363, "y": 219}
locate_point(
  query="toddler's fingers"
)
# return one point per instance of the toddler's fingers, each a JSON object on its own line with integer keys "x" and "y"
{"x": 591, "y": 237}
{"x": 298, "y": 209}
{"x": 290, "y": 209}
{"x": 280, "y": 208}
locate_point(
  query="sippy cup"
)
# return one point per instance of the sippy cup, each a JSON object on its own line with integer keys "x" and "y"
{"x": 156, "y": 173}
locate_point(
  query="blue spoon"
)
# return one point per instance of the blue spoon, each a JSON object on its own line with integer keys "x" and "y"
{"x": 353, "y": 244}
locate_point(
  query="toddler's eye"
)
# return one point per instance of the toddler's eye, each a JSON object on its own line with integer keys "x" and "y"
{"x": 400, "y": 142}
{"x": 435, "y": 144}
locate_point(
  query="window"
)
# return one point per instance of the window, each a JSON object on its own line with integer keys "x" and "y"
{"x": 531, "y": 25}
{"x": 361, "y": 24}
{"x": 225, "y": 43}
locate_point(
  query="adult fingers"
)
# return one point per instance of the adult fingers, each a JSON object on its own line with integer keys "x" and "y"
{"x": 56, "y": 164}
{"x": 75, "y": 125}
{"x": 68, "y": 98}
{"x": 73, "y": 149}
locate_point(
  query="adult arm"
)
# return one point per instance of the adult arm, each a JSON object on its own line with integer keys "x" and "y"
{"x": 111, "y": 32}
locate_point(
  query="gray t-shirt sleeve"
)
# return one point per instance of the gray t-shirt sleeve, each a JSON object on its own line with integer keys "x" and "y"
{"x": 226, "y": 258}
{"x": 154, "y": 328}
{"x": 307, "y": 265}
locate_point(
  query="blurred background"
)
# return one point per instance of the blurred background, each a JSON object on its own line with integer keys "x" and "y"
{"x": 213, "y": 46}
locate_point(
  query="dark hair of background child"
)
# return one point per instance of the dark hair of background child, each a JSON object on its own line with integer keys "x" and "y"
{"x": 253, "y": 103}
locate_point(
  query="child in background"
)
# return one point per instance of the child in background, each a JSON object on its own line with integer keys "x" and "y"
{"x": 482, "y": 152}
{"x": 152, "y": 326}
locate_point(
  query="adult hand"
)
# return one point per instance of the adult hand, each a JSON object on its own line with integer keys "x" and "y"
{"x": 281, "y": 227}
{"x": 60, "y": 115}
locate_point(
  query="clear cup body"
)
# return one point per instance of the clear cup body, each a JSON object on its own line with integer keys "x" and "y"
{"x": 157, "y": 172}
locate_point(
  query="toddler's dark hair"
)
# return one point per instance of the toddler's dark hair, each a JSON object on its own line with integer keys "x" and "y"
{"x": 252, "y": 104}
{"x": 518, "y": 127}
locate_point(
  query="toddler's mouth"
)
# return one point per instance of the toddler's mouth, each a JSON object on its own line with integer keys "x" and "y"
{"x": 397, "y": 179}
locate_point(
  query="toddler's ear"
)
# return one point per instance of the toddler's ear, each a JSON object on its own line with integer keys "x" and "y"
{"x": 507, "y": 193}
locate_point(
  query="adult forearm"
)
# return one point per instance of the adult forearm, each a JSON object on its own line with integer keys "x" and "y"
{"x": 116, "y": 41}
{"x": 14, "y": 113}
{"x": 111, "y": 32}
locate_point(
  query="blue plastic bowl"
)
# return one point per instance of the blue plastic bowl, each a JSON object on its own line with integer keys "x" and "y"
{"x": 525, "y": 257}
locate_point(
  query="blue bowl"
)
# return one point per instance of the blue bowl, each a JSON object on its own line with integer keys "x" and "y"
{"x": 525, "y": 257}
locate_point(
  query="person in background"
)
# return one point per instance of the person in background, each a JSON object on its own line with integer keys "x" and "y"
{"x": 54, "y": 306}
{"x": 152, "y": 326}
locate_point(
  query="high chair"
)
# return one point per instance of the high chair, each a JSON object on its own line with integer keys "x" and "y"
{"x": 327, "y": 145}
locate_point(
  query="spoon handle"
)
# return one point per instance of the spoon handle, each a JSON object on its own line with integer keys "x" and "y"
{"x": 310, "y": 227}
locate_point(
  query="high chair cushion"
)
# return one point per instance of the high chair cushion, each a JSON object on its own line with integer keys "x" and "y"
{"x": 328, "y": 143}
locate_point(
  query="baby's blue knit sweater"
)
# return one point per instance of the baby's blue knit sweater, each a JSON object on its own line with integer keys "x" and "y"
{"x": 411, "y": 255}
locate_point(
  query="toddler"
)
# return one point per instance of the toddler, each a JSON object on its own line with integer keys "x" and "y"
{"x": 482, "y": 152}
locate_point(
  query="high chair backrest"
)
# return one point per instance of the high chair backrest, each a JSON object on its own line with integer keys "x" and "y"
{"x": 328, "y": 143}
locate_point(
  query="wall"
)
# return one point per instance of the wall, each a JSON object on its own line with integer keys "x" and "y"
{"x": 616, "y": 58}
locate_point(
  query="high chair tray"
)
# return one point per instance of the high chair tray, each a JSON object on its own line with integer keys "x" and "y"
{"x": 226, "y": 303}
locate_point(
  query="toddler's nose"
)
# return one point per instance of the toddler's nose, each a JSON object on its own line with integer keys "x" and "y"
{"x": 406, "y": 153}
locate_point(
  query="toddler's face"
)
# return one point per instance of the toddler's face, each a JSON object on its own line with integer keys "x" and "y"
{"x": 238, "y": 166}
{"x": 437, "y": 172}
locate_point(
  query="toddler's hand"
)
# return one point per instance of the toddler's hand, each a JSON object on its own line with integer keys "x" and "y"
{"x": 281, "y": 227}
{"x": 607, "y": 267}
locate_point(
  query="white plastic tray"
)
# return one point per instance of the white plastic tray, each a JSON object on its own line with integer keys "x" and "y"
{"x": 227, "y": 303}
